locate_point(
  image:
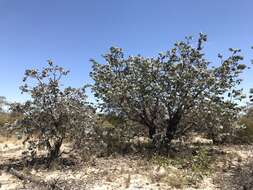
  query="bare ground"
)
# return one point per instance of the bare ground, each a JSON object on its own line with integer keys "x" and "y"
{"x": 232, "y": 171}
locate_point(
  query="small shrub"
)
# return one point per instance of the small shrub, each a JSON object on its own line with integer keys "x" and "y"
{"x": 4, "y": 118}
{"x": 245, "y": 134}
{"x": 195, "y": 165}
{"x": 115, "y": 135}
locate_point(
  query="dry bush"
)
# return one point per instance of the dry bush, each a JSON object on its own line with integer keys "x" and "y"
{"x": 112, "y": 136}
{"x": 4, "y": 118}
{"x": 195, "y": 162}
{"x": 7, "y": 119}
{"x": 245, "y": 134}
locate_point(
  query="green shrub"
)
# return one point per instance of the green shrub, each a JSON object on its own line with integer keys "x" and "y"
{"x": 196, "y": 165}
{"x": 245, "y": 127}
{"x": 4, "y": 118}
{"x": 245, "y": 134}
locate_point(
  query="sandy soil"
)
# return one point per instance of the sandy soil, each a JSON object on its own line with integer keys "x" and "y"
{"x": 129, "y": 172}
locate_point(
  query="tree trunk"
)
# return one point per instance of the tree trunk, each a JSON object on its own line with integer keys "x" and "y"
{"x": 40, "y": 183}
{"x": 152, "y": 132}
{"x": 170, "y": 132}
{"x": 172, "y": 127}
{"x": 55, "y": 150}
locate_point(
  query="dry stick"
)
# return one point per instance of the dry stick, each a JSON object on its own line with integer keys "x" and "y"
{"x": 34, "y": 179}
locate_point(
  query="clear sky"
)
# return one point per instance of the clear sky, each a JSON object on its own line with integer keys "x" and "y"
{"x": 70, "y": 32}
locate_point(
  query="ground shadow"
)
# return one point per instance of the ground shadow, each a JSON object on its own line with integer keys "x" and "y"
{"x": 237, "y": 177}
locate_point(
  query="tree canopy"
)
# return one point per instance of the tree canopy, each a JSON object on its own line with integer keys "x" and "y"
{"x": 53, "y": 113}
{"x": 164, "y": 92}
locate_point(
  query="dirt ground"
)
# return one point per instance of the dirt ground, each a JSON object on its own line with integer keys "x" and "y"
{"x": 233, "y": 171}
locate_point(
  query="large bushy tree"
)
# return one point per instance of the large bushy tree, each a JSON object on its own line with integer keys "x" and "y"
{"x": 53, "y": 113}
{"x": 163, "y": 92}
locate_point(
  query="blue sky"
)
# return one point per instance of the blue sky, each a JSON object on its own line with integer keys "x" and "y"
{"x": 72, "y": 32}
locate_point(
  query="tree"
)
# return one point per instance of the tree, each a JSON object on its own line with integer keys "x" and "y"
{"x": 53, "y": 113}
{"x": 3, "y": 115}
{"x": 162, "y": 92}
{"x": 251, "y": 95}
{"x": 2, "y": 103}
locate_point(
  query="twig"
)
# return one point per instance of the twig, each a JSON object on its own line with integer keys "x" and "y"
{"x": 35, "y": 179}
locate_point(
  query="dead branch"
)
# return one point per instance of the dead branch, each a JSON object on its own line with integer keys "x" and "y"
{"x": 35, "y": 179}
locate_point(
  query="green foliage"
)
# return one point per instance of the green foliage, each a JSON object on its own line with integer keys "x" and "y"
{"x": 196, "y": 165}
{"x": 8, "y": 118}
{"x": 164, "y": 92}
{"x": 198, "y": 162}
{"x": 4, "y": 118}
{"x": 115, "y": 135}
{"x": 53, "y": 113}
{"x": 245, "y": 133}
{"x": 201, "y": 162}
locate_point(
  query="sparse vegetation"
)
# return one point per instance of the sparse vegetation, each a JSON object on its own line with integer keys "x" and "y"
{"x": 195, "y": 165}
{"x": 139, "y": 133}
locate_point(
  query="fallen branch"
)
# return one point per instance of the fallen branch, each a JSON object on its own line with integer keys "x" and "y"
{"x": 35, "y": 179}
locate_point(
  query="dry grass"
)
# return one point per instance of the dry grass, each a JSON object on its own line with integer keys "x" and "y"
{"x": 128, "y": 172}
